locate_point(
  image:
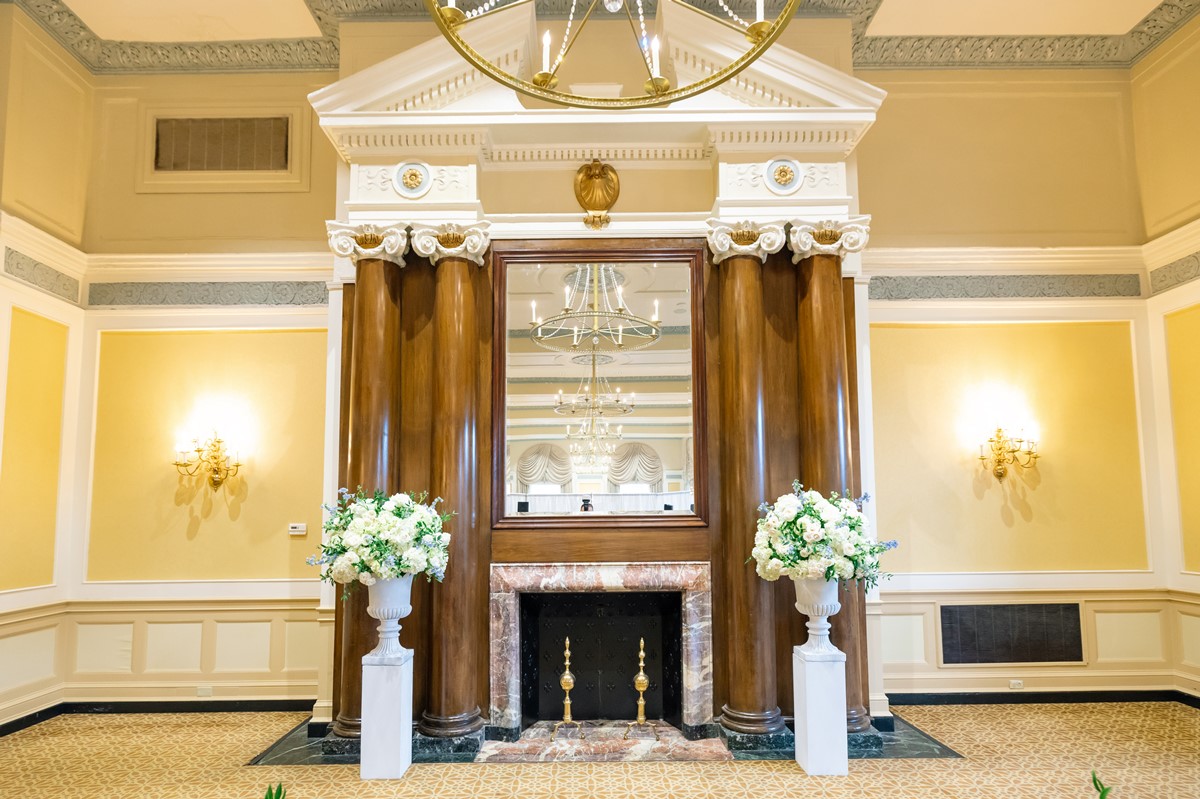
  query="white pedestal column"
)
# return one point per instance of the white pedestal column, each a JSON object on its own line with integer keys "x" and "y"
{"x": 387, "y": 703}
{"x": 819, "y": 680}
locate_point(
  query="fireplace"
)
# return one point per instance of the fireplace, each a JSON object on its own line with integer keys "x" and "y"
{"x": 601, "y": 586}
{"x": 605, "y": 630}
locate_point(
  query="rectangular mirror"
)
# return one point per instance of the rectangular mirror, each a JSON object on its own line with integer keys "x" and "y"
{"x": 598, "y": 377}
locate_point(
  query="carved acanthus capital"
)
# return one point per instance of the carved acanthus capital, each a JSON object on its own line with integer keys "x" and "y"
{"x": 828, "y": 237}
{"x": 437, "y": 242}
{"x": 386, "y": 242}
{"x": 759, "y": 239}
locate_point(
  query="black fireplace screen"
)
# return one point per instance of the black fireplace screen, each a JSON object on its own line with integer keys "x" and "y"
{"x": 604, "y": 629}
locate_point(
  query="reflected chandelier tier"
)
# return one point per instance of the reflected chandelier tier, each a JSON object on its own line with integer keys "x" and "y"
{"x": 594, "y": 317}
{"x": 593, "y": 442}
{"x": 657, "y": 89}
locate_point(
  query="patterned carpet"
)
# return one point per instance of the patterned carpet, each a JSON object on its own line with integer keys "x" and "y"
{"x": 1147, "y": 751}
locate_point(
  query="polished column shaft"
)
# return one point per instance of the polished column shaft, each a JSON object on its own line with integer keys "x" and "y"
{"x": 372, "y": 437}
{"x": 826, "y": 447}
{"x": 750, "y": 619}
{"x": 460, "y": 602}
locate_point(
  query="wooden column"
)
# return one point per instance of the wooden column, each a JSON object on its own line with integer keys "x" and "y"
{"x": 372, "y": 436}
{"x": 826, "y": 436}
{"x": 460, "y": 602}
{"x": 750, "y": 615}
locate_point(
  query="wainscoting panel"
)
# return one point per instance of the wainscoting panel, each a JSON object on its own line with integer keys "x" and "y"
{"x": 1131, "y": 640}
{"x": 1130, "y": 636}
{"x": 156, "y": 651}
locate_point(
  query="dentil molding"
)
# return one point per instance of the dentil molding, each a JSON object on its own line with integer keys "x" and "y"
{"x": 388, "y": 243}
{"x": 758, "y": 239}
{"x": 451, "y": 240}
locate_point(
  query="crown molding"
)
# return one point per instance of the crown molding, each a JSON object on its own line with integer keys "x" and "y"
{"x": 102, "y": 56}
{"x": 233, "y": 267}
{"x": 915, "y": 261}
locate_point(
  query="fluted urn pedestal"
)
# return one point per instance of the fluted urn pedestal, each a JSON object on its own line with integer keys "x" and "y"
{"x": 387, "y": 680}
{"x": 819, "y": 680}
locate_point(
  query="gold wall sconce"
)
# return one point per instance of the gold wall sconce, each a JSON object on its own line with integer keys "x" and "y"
{"x": 1000, "y": 452}
{"x": 208, "y": 456}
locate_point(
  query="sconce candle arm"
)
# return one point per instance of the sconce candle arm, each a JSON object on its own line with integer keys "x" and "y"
{"x": 1001, "y": 452}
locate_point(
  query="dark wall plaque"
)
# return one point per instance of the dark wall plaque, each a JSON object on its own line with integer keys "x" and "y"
{"x": 1033, "y": 633}
{"x": 604, "y": 629}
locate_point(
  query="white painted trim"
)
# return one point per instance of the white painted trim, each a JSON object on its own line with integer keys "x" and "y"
{"x": 1118, "y": 579}
{"x": 1002, "y": 260}
{"x": 333, "y": 416}
{"x": 1059, "y": 309}
{"x": 133, "y": 590}
{"x": 225, "y": 267}
{"x": 32, "y": 241}
{"x": 1170, "y": 247}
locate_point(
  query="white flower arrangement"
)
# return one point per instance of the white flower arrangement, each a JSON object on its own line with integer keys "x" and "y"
{"x": 377, "y": 537}
{"x": 805, "y": 535}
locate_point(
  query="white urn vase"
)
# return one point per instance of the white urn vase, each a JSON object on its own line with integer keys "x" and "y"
{"x": 390, "y": 601}
{"x": 817, "y": 598}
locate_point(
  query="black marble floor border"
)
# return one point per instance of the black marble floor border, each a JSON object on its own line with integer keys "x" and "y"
{"x": 1042, "y": 698}
{"x": 165, "y": 706}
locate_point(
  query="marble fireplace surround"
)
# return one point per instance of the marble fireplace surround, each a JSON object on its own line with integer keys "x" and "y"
{"x": 510, "y": 580}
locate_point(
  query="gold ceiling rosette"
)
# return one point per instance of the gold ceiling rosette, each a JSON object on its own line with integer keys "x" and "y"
{"x": 657, "y": 90}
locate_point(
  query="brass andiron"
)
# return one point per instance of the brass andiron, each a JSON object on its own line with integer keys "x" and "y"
{"x": 640, "y": 683}
{"x": 567, "y": 681}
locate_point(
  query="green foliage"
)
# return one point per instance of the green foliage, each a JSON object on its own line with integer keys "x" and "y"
{"x": 1100, "y": 787}
{"x": 277, "y": 792}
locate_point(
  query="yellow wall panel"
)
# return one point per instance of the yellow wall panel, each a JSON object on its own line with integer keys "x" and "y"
{"x": 1166, "y": 118}
{"x": 267, "y": 390}
{"x": 30, "y": 459}
{"x": 1081, "y": 509}
{"x": 48, "y": 143}
{"x": 1183, "y": 363}
{"x": 971, "y": 158}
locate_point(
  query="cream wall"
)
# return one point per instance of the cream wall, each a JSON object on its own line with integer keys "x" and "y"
{"x": 1166, "y": 120}
{"x": 1183, "y": 344}
{"x": 997, "y": 158}
{"x": 32, "y": 445}
{"x": 147, "y": 523}
{"x": 48, "y": 131}
{"x": 127, "y": 214}
{"x": 1081, "y": 510}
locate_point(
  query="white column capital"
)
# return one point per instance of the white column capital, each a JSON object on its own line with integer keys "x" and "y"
{"x": 828, "y": 237}
{"x": 744, "y": 237}
{"x": 451, "y": 240}
{"x": 386, "y": 242}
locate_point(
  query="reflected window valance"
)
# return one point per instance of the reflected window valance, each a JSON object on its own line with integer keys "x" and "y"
{"x": 544, "y": 463}
{"x": 636, "y": 463}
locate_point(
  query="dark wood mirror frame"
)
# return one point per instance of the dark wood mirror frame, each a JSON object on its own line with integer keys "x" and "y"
{"x": 694, "y": 252}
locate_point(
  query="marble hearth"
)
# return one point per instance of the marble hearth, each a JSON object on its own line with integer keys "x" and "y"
{"x": 510, "y": 580}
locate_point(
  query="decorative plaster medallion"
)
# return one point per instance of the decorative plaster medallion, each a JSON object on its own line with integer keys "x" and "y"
{"x": 783, "y": 176}
{"x": 451, "y": 240}
{"x": 747, "y": 237}
{"x": 597, "y": 188}
{"x": 368, "y": 241}
{"x": 412, "y": 180}
{"x": 828, "y": 237}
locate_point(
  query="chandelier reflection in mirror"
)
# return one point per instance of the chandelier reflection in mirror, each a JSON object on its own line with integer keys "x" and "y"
{"x": 594, "y": 317}
{"x": 594, "y": 441}
{"x": 732, "y": 32}
{"x": 626, "y": 397}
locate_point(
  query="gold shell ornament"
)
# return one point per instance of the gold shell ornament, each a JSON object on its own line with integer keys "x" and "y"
{"x": 597, "y": 188}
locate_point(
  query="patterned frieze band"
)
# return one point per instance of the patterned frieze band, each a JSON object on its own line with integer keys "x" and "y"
{"x": 386, "y": 242}
{"x": 828, "y": 237}
{"x": 745, "y": 237}
{"x": 451, "y": 240}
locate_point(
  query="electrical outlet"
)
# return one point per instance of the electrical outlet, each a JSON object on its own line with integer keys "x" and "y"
{"x": 203, "y": 690}
{"x": 1016, "y": 685}
{"x": 297, "y": 529}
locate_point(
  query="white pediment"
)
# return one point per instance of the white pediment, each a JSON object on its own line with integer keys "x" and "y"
{"x": 429, "y": 101}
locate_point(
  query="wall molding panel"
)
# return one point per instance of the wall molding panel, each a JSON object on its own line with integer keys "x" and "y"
{"x": 1121, "y": 650}
{"x": 957, "y": 287}
{"x": 175, "y": 650}
{"x": 208, "y": 293}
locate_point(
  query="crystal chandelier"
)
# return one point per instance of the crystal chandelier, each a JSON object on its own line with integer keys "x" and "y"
{"x": 593, "y": 441}
{"x": 594, "y": 317}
